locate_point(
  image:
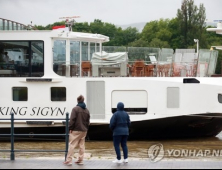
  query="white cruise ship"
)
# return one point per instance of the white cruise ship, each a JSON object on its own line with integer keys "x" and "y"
{"x": 168, "y": 95}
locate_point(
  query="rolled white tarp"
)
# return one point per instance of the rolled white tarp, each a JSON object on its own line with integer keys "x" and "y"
{"x": 109, "y": 58}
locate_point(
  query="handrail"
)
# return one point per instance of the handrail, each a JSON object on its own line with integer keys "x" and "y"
{"x": 12, "y": 135}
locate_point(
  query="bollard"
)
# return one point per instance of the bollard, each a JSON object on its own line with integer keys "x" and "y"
{"x": 12, "y": 156}
{"x": 67, "y": 135}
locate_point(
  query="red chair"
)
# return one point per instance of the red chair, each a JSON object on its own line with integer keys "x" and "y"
{"x": 86, "y": 68}
{"x": 139, "y": 66}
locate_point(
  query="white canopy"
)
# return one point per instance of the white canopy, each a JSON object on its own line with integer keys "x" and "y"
{"x": 218, "y": 47}
{"x": 218, "y": 30}
{"x": 109, "y": 58}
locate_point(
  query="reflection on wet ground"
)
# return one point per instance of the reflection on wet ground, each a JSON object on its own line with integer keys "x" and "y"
{"x": 98, "y": 149}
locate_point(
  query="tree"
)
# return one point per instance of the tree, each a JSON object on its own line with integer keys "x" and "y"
{"x": 81, "y": 27}
{"x": 157, "y": 30}
{"x": 96, "y": 26}
{"x": 191, "y": 21}
{"x": 39, "y": 27}
{"x": 107, "y": 29}
{"x": 139, "y": 43}
{"x": 175, "y": 41}
{"x": 157, "y": 43}
{"x": 129, "y": 35}
{"x": 164, "y": 34}
{"x": 213, "y": 39}
{"x": 149, "y": 31}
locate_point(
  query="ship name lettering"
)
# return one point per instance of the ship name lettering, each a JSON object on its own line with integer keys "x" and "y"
{"x": 46, "y": 111}
{"x": 35, "y": 111}
{"x": 1, "y": 110}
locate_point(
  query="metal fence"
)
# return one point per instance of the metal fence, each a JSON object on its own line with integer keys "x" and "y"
{"x": 13, "y": 135}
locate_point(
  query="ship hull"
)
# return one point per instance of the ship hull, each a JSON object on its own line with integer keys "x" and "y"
{"x": 190, "y": 126}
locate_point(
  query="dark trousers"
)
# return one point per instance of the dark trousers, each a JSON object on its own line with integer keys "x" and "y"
{"x": 117, "y": 140}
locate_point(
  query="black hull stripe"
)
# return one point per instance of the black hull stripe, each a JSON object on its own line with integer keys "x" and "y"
{"x": 191, "y": 126}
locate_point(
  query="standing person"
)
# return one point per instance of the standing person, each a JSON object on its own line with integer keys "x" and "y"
{"x": 78, "y": 128}
{"x": 6, "y": 58}
{"x": 120, "y": 123}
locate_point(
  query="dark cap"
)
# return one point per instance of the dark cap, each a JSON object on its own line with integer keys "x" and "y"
{"x": 80, "y": 99}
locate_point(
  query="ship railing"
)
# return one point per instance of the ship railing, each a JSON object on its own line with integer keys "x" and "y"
{"x": 12, "y": 136}
{"x": 167, "y": 65}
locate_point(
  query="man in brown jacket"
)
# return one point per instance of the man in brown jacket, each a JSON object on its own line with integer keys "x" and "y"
{"x": 78, "y": 128}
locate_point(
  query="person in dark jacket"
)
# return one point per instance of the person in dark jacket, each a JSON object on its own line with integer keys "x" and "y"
{"x": 119, "y": 124}
{"x": 78, "y": 128}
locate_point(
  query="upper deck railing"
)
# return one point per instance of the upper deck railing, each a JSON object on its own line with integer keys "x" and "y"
{"x": 141, "y": 62}
{"x": 6, "y": 24}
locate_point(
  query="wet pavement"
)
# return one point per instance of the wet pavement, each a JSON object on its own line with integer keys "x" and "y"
{"x": 57, "y": 163}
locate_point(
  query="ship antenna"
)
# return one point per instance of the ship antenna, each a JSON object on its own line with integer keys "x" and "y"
{"x": 70, "y": 21}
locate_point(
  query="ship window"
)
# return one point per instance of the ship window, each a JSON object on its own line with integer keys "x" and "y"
{"x": 58, "y": 94}
{"x": 20, "y": 93}
{"x": 220, "y": 98}
{"x": 135, "y": 101}
{"x": 70, "y": 67}
{"x": 21, "y": 58}
{"x": 133, "y": 111}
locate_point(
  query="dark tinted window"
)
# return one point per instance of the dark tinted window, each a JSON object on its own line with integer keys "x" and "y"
{"x": 220, "y": 98}
{"x": 20, "y": 94}
{"x": 21, "y": 58}
{"x": 133, "y": 111}
{"x": 58, "y": 94}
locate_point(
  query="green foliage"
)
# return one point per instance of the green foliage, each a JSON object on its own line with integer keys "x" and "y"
{"x": 175, "y": 38}
{"x": 219, "y": 63}
{"x": 149, "y": 31}
{"x": 191, "y": 23}
{"x": 158, "y": 43}
{"x": 39, "y": 27}
{"x": 164, "y": 35}
{"x": 81, "y": 27}
{"x": 129, "y": 35}
{"x": 157, "y": 33}
{"x": 139, "y": 43}
{"x": 214, "y": 39}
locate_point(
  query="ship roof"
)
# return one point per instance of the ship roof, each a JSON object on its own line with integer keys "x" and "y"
{"x": 87, "y": 37}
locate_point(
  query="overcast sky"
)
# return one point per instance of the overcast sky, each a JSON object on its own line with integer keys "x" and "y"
{"x": 118, "y": 12}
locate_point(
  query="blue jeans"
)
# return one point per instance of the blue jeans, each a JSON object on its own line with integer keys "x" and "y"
{"x": 117, "y": 140}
